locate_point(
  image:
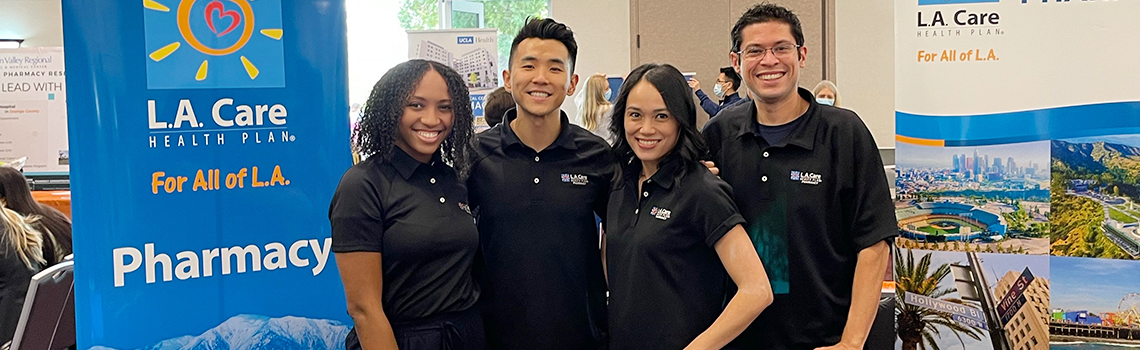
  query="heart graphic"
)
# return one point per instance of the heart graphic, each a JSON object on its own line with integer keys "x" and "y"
{"x": 216, "y": 7}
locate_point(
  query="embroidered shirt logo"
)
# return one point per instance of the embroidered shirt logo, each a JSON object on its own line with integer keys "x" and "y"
{"x": 465, "y": 208}
{"x": 806, "y": 177}
{"x": 577, "y": 179}
{"x": 660, "y": 213}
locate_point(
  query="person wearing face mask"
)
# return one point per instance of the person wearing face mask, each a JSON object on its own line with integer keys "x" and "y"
{"x": 826, "y": 93}
{"x": 594, "y": 112}
{"x": 725, "y": 89}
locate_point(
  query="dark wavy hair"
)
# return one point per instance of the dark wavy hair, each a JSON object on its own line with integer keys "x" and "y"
{"x": 15, "y": 192}
{"x": 674, "y": 89}
{"x": 545, "y": 28}
{"x": 766, "y": 12}
{"x": 376, "y": 132}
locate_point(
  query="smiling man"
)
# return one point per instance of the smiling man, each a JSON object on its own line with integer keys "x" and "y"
{"x": 810, "y": 184}
{"x": 537, "y": 183}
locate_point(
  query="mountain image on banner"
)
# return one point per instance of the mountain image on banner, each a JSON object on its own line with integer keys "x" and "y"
{"x": 251, "y": 332}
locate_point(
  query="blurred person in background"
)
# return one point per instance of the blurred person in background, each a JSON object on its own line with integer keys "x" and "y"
{"x": 594, "y": 113}
{"x": 826, "y": 93}
{"x": 16, "y": 195}
{"x": 497, "y": 104}
{"x": 727, "y": 83}
{"x": 21, "y": 256}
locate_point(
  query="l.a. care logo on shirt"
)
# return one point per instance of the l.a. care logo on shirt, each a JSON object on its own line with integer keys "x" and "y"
{"x": 577, "y": 179}
{"x": 660, "y": 213}
{"x": 806, "y": 177}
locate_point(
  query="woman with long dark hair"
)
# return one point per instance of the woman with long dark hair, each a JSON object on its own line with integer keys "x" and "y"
{"x": 21, "y": 256}
{"x": 403, "y": 234}
{"x": 674, "y": 239}
{"x": 16, "y": 195}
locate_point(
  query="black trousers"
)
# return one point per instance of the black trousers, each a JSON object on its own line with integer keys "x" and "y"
{"x": 461, "y": 330}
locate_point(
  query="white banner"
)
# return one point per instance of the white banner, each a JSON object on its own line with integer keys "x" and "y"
{"x": 1018, "y": 132}
{"x": 33, "y": 109}
{"x": 474, "y": 53}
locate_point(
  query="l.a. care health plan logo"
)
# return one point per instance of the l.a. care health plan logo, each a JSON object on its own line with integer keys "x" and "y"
{"x": 213, "y": 44}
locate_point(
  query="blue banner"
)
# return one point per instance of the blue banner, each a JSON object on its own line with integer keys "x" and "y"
{"x": 209, "y": 137}
{"x": 1022, "y": 126}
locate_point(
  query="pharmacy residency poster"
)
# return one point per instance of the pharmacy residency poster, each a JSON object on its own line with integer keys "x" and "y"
{"x": 33, "y": 109}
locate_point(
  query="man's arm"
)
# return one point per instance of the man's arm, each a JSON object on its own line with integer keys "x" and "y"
{"x": 872, "y": 227}
{"x": 865, "y": 292}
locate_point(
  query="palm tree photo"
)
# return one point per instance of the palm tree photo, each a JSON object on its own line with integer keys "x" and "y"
{"x": 919, "y": 327}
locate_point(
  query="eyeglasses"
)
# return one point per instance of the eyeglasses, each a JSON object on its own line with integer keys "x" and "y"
{"x": 780, "y": 51}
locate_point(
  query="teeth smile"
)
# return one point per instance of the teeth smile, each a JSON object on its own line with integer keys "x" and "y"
{"x": 540, "y": 94}
{"x": 648, "y": 142}
{"x": 771, "y": 76}
{"x": 428, "y": 134}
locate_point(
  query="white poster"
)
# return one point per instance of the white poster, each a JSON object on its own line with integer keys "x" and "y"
{"x": 33, "y": 109}
{"x": 474, "y": 53}
{"x": 1018, "y": 143}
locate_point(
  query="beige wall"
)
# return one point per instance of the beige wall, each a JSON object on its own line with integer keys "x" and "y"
{"x": 695, "y": 36}
{"x": 38, "y": 22}
{"x": 601, "y": 28}
{"x": 865, "y": 63}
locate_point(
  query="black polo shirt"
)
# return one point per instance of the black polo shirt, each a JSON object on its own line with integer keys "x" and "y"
{"x": 416, "y": 215}
{"x": 667, "y": 283}
{"x": 542, "y": 272}
{"x": 812, "y": 203}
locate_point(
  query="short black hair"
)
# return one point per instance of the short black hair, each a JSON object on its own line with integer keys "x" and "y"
{"x": 545, "y": 28}
{"x": 765, "y": 13}
{"x": 497, "y": 104}
{"x": 675, "y": 91}
{"x": 376, "y": 132}
{"x": 732, "y": 76}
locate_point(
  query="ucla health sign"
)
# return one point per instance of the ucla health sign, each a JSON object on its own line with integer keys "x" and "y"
{"x": 208, "y": 138}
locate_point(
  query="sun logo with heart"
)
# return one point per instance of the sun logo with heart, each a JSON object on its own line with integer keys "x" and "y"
{"x": 216, "y": 30}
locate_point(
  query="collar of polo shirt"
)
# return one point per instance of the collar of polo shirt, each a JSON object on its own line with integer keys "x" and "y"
{"x": 667, "y": 173}
{"x": 406, "y": 165}
{"x": 565, "y": 137}
{"x": 804, "y": 134}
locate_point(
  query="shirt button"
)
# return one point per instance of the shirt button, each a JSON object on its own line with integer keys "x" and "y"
{"x": 645, "y": 194}
{"x": 432, "y": 180}
{"x": 635, "y": 211}
{"x": 764, "y": 178}
{"x": 441, "y": 200}
{"x": 765, "y": 154}
{"x": 536, "y": 180}
{"x": 536, "y": 158}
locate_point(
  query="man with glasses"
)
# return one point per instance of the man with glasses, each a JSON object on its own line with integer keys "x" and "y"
{"x": 725, "y": 89}
{"x": 809, "y": 181}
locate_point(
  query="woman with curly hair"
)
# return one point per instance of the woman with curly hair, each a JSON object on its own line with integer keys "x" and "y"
{"x": 403, "y": 234}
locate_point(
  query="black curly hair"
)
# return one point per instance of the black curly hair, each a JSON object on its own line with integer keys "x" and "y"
{"x": 376, "y": 132}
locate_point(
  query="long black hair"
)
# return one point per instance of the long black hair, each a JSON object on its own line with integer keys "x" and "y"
{"x": 18, "y": 197}
{"x": 376, "y": 133}
{"x": 676, "y": 92}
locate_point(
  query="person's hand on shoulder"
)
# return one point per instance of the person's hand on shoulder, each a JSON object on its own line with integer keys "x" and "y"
{"x": 712, "y": 167}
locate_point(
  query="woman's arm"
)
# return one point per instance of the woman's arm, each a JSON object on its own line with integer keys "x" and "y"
{"x": 754, "y": 292}
{"x": 361, "y": 273}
